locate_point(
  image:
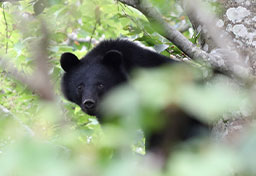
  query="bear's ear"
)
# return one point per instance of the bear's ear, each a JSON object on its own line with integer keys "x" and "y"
{"x": 68, "y": 61}
{"x": 113, "y": 58}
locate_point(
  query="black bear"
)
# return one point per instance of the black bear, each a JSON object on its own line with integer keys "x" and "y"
{"x": 107, "y": 65}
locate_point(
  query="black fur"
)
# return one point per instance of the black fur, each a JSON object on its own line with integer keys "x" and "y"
{"x": 107, "y": 65}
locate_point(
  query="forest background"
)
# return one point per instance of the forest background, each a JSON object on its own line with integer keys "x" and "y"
{"x": 41, "y": 133}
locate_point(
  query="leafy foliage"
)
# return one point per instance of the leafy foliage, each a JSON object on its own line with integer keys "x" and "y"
{"x": 55, "y": 138}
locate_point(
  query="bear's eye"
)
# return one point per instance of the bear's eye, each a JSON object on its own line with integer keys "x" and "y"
{"x": 80, "y": 87}
{"x": 100, "y": 86}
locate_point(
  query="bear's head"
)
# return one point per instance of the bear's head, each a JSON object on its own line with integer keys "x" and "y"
{"x": 86, "y": 81}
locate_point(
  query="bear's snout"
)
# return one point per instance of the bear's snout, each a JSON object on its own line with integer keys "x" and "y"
{"x": 89, "y": 104}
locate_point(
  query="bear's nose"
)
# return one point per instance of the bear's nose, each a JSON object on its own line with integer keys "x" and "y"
{"x": 89, "y": 103}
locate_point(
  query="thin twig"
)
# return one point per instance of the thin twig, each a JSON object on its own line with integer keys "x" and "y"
{"x": 135, "y": 22}
{"x": 97, "y": 14}
{"x": 6, "y": 30}
{"x": 91, "y": 37}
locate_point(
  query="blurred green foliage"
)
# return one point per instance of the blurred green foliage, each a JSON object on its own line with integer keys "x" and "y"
{"x": 56, "y": 138}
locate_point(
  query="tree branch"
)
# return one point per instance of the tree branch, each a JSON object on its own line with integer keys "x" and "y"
{"x": 169, "y": 32}
{"x": 156, "y": 19}
{"x": 41, "y": 77}
{"x": 39, "y": 81}
{"x": 26, "y": 128}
